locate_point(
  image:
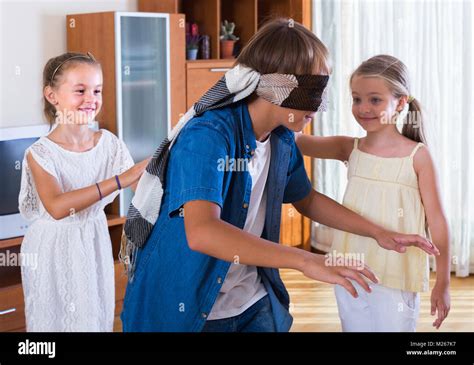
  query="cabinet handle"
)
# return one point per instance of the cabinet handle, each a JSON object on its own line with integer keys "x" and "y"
{"x": 219, "y": 69}
{"x": 6, "y": 311}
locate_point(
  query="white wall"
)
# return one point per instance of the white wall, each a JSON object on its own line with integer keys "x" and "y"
{"x": 31, "y": 32}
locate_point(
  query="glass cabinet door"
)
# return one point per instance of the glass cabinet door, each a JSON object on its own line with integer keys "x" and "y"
{"x": 143, "y": 106}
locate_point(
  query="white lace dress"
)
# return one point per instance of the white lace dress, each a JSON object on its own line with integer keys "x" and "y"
{"x": 72, "y": 286}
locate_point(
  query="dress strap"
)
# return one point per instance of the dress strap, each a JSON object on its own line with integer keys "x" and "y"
{"x": 356, "y": 143}
{"x": 417, "y": 147}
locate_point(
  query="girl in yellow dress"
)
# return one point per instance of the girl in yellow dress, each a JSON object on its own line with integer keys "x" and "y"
{"x": 392, "y": 182}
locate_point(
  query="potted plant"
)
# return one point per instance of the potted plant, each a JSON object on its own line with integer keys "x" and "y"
{"x": 192, "y": 41}
{"x": 228, "y": 39}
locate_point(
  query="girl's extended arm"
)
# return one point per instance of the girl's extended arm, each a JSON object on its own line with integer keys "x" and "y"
{"x": 336, "y": 147}
{"x": 427, "y": 181}
{"x": 208, "y": 234}
{"x": 59, "y": 205}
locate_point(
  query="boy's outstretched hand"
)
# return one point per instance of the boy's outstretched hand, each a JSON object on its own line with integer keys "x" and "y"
{"x": 319, "y": 267}
{"x": 399, "y": 242}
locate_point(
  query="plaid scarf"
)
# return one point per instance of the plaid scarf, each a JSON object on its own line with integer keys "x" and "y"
{"x": 302, "y": 92}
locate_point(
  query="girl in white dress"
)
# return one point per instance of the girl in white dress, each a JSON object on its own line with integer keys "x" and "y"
{"x": 68, "y": 177}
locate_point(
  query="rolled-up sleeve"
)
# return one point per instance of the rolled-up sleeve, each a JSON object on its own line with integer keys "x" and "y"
{"x": 298, "y": 185}
{"x": 194, "y": 165}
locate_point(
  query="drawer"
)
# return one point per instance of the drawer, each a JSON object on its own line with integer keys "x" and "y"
{"x": 12, "y": 309}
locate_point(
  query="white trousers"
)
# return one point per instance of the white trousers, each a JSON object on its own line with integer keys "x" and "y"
{"x": 382, "y": 310}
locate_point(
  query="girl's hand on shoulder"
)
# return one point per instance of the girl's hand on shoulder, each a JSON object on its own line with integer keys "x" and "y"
{"x": 134, "y": 173}
{"x": 441, "y": 303}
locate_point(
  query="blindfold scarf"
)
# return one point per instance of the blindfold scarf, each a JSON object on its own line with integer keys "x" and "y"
{"x": 301, "y": 92}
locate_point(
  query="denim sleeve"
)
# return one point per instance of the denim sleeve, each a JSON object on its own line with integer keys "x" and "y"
{"x": 298, "y": 185}
{"x": 193, "y": 165}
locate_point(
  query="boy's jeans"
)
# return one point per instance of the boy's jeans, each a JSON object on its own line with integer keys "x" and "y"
{"x": 257, "y": 318}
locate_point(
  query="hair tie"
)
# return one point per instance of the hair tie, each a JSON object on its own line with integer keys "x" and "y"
{"x": 410, "y": 98}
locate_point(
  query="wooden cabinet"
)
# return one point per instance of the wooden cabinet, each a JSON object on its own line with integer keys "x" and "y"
{"x": 12, "y": 306}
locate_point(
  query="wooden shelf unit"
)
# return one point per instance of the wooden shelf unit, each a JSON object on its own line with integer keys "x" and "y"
{"x": 248, "y": 15}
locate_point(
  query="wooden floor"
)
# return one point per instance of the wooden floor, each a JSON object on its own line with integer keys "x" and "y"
{"x": 314, "y": 306}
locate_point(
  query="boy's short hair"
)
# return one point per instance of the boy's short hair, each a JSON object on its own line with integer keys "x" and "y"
{"x": 285, "y": 46}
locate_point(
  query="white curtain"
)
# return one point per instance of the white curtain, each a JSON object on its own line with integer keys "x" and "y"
{"x": 435, "y": 40}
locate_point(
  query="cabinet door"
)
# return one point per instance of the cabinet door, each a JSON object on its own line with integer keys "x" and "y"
{"x": 143, "y": 86}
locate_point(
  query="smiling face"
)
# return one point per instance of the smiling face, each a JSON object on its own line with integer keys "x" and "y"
{"x": 78, "y": 97}
{"x": 373, "y": 104}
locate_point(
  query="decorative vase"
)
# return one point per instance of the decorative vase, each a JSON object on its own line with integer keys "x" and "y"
{"x": 205, "y": 48}
{"x": 227, "y": 48}
{"x": 191, "y": 54}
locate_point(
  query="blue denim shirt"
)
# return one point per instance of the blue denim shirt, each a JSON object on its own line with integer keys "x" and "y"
{"x": 174, "y": 287}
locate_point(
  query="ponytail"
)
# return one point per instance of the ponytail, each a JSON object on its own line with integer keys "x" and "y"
{"x": 413, "y": 123}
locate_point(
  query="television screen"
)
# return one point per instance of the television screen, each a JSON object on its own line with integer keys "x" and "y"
{"x": 11, "y": 158}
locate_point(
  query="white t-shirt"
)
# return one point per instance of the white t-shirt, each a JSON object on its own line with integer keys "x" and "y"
{"x": 242, "y": 286}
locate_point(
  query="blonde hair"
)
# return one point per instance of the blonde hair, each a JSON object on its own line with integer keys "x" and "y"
{"x": 395, "y": 74}
{"x": 284, "y": 46}
{"x": 52, "y": 72}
